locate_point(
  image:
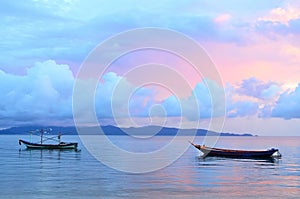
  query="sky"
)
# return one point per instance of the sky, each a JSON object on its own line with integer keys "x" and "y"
{"x": 253, "y": 44}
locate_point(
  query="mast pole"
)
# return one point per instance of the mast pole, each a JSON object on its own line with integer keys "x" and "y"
{"x": 59, "y": 136}
{"x": 42, "y": 132}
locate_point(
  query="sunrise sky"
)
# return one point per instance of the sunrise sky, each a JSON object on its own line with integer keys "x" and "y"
{"x": 254, "y": 44}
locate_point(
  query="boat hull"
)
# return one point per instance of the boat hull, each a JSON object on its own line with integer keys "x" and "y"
{"x": 216, "y": 152}
{"x": 62, "y": 145}
{"x": 239, "y": 154}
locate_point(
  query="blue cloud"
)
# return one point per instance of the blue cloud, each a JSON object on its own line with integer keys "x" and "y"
{"x": 288, "y": 106}
{"x": 294, "y": 26}
{"x": 43, "y": 95}
{"x": 206, "y": 100}
{"x": 273, "y": 29}
{"x": 242, "y": 109}
{"x": 258, "y": 89}
{"x": 116, "y": 97}
{"x": 112, "y": 100}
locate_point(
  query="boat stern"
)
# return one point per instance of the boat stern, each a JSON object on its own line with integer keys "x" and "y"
{"x": 276, "y": 153}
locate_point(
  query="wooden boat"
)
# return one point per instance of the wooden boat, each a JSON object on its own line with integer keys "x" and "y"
{"x": 43, "y": 145}
{"x": 217, "y": 152}
{"x": 61, "y": 145}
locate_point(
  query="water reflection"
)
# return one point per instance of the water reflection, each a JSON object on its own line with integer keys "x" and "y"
{"x": 49, "y": 154}
{"x": 217, "y": 161}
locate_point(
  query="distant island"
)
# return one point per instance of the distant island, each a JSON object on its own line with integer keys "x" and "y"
{"x": 113, "y": 130}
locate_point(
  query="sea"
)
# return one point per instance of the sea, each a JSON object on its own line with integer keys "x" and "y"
{"x": 78, "y": 174}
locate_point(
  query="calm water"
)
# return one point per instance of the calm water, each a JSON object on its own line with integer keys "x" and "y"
{"x": 69, "y": 174}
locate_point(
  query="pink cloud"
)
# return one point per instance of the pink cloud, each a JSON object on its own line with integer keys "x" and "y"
{"x": 223, "y": 18}
{"x": 281, "y": 15}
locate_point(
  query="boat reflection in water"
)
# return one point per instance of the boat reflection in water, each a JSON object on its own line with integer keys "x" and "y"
{"x": 267, "y": 161}
{"x": 49, "y": 153}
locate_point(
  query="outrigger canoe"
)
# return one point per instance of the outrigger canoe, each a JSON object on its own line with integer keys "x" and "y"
{"x": 43, "y": 139}
{"x": 61, "y": 145}
{"x": 218, "y": 152}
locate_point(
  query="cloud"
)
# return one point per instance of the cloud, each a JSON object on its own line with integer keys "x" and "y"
{"x": 281, "y": 21}
{"x": 70, "y": 29}
{"x": 237, "y": 105}
{"x": 288, "y": 106}
{"x": 206, "y": 100}
{"x": 295, "y": 26}
{"x": 116, "y": 97}
{"x": 223, "y": 18}
{"x": 42, "y": 95}
{"x": 40, "y": 29}
{"x": 258, "y": 89}
{"x": 115, "y": 92}
{"x": 242, "y": 109}
{"x": 282, "y": 15}
{"x": 252, "y": 97}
